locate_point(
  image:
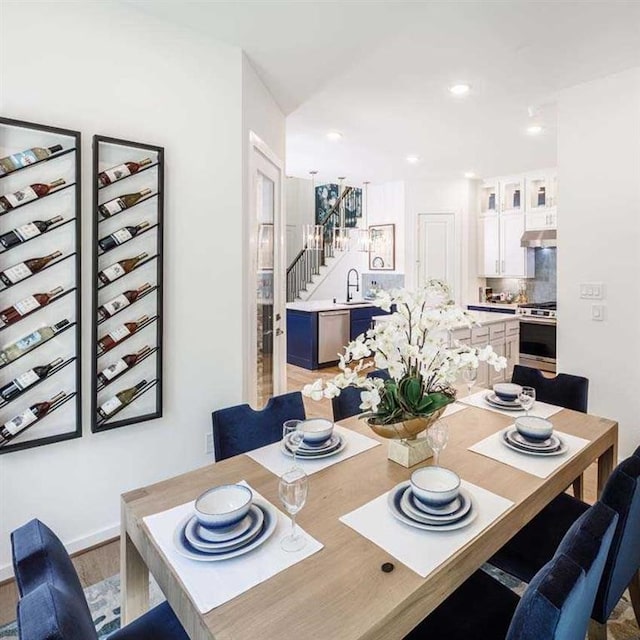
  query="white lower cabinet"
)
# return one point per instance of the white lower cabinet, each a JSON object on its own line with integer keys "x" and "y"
{"x": 504, "y": 337}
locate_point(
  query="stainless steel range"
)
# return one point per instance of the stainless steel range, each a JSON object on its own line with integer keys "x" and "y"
{"x": 538, "y": 335}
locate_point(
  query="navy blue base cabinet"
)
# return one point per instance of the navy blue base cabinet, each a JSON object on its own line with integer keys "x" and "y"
{"x": 302, "y": 334}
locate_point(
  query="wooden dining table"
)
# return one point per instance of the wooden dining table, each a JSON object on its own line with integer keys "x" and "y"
{"x": 341, "y": 592}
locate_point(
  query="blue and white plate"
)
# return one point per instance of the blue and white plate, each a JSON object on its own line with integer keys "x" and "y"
{"x": 492, "y": 399}
{"x": 193, "y": 533}
{"x": 185, "y": 549}
{"x": 308, "y": 455}
{"x": 333, "y": 441}
{"x": 409, "y": 506}
{"x": 552, "y": 442}
{"x": 225, "y": 533}
{"x": 507, "y": 440}
{"x": 394, "y": 499}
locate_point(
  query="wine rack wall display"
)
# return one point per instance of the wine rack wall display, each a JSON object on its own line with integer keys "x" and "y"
{"x": 40, "y": 400}
{"x": 128, "y": 208}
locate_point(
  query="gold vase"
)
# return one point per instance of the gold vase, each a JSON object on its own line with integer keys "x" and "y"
{"x": 405, "y": 429}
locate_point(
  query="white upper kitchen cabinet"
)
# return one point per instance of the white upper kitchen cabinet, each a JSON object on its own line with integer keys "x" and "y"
{"x": 515, "y": 261}
{"x": 541, "y": 199}
{"x": 489, "y": 246}
{"x": 499, "y": 252}
{"x": 512, "y": 190}
{"x": 489, "y": 196}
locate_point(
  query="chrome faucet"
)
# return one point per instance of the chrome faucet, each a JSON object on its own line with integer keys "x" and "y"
{"x": 350, "y": 284}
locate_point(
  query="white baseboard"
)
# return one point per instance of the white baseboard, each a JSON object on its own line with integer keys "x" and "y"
{"x": 79, "y": 544}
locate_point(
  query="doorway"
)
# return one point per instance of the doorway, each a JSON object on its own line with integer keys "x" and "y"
{"x": 436, "y": 249}
{"x": 266, "y": 346}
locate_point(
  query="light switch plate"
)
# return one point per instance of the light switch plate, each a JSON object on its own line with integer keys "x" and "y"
{"x": 208, "y": 442}
{"x": 592, "y": 290}
{"x": 597, "y": 312}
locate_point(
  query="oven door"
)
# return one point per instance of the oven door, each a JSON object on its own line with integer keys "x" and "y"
{"x": 538, "y": 343}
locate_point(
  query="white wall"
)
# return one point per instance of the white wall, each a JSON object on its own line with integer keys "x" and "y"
{"x": 118, "y": 72}
{"x": 599, "y": 237}
{"x": 445, "y": 196}
{"x": 299, "y": 210}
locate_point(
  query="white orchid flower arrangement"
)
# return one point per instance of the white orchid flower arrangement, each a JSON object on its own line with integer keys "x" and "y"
{"x": 413, "y": 346}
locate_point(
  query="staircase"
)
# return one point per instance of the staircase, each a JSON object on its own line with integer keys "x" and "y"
{"x": 309, "y": 264}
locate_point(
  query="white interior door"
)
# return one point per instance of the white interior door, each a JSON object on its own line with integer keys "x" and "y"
{"x": 266, "y": 338}
{"x": 436, "y": 251}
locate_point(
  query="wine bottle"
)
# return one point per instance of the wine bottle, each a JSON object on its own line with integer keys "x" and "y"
{"x": 27, "y": 231}
{"x": 118, "y": 335}
{"x": 120, "y": 236}
{"x": 115, "y": 369}
{"x": 25, "y": 380}
{"x": 21, "y": 422}
{"x": 15, "y": 312}
{"x": 121, "y": 203}
{"x": 122, "y": 301}
{"x": 27, "y": 268}
{"x": 25, "y": 344}
{"x": 26, "y": 194}
{"x": 25, "y": 158}
{"x": 120, "y": 400}
{"x": 121, "y": 171}
{"x": 114, "y": 271}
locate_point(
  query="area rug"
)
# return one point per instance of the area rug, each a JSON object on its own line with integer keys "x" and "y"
{"x": 104, "y": 602}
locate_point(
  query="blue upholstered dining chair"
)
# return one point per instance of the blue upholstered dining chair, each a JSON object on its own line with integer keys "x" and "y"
{"x": 348, "y": 403}
{"x": 240, "y": 429}
{"x": 564, "y": 390}
{"x": 532, "y": 547}
{"x": 555, "y": 606}
{"x": 52, "y": 604}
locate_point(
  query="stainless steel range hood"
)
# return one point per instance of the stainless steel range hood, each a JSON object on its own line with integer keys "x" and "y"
{"x": 542, "y": 238}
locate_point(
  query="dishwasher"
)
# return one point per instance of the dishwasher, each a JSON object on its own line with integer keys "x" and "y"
{"x": 333, "y": 334}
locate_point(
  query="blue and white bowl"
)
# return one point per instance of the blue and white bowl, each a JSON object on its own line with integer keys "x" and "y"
{"x": 316, "y": 431}
{"x": 507, "y": 391}
{"x": 534, "y": 428}
{"x": 435, "y": 486}
{"x": 223, "y": 506}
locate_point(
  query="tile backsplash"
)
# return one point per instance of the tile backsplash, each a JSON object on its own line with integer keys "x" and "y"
{"x": 386, "y": 281}
{"x": 543, "y": 287}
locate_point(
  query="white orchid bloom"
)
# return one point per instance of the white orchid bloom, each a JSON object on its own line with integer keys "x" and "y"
{"x": 370, "y": 400}
{"x": 314, "y": 390}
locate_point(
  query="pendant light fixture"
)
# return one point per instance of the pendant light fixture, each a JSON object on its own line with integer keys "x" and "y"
{"x": 361, "y": 240}
{"x": 341, "y": 237}
{"x": 312, "y": 234}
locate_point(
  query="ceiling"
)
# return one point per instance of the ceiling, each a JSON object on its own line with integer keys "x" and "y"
{"x": 378, "y": 72}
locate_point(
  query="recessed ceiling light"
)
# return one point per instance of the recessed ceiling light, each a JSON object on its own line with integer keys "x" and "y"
{"x": 413, "y": 159}
{"x": 534, "y": 129}
{"x": 334, "y": 135}
{"x": 469, "y": 174}
{"x": 460, "y": 89}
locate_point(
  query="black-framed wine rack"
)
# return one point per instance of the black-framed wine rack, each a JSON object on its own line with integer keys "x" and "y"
{"x": 18, "y": 355}
{"x": 109, "y": 153}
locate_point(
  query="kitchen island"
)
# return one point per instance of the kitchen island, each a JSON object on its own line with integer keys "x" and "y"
{"x": 318, "y": 330}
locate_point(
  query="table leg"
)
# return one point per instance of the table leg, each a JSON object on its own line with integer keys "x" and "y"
{"x": 134, "y": 579}
{"x": 606, "y": 463}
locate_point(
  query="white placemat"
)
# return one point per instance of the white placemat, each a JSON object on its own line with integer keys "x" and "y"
{"x": 540, "y": 466}
{"x": 210, "y": 584}
{"x": 272, "y": 458}
{"x": 540, "y": 409}
{"x": 423, "y": 551}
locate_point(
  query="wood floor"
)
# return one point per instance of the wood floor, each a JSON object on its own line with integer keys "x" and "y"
{"x": 101, "y": 562}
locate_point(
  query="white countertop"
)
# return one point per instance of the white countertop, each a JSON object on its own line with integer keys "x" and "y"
{"x": 313, "y": 306}
{"x": 483, "y": 318}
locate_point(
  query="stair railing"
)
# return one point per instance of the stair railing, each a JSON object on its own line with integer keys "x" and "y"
{"x": 308, "y": 261}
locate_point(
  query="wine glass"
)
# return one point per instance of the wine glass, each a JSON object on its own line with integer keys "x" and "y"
{"x": 527, "y": 398}
{"x": 437, "y": 437}
{"x": 470, "y": 375}
{"x": 292, "y": 435}
{"x": 292, "y": 489}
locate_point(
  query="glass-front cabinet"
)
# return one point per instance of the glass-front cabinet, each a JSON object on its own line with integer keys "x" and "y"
{"x": 542, "y": 196}
{"x": 511, "y": 190}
